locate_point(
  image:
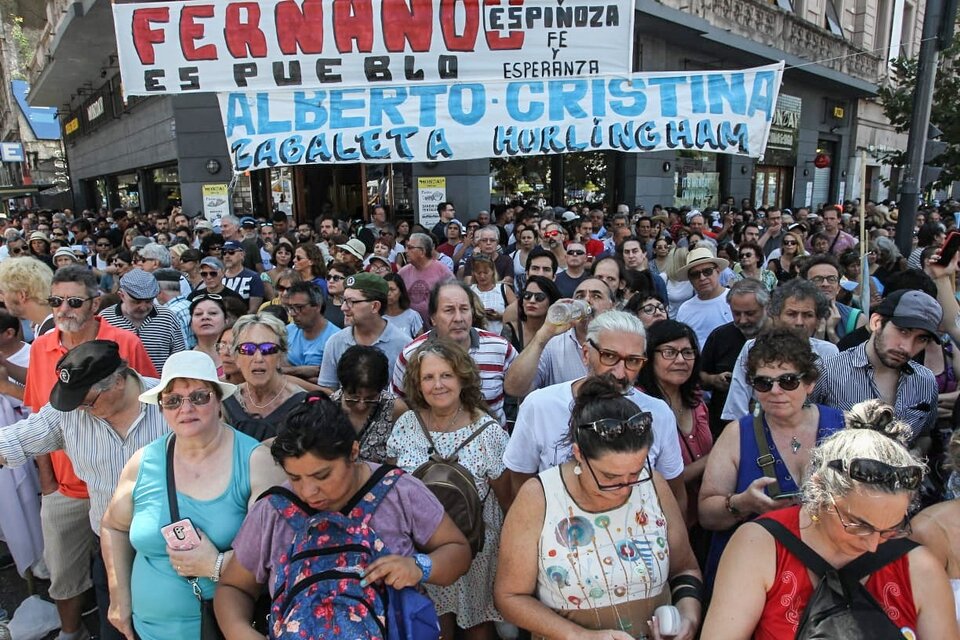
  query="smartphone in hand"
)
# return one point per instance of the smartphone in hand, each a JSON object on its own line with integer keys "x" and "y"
{"x": 181, "y": 535}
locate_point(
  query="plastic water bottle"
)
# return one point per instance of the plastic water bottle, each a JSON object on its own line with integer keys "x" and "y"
{"x": 564, "y": 312}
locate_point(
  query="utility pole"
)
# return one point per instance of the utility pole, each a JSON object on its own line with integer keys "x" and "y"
{"x": 919, "y": 123}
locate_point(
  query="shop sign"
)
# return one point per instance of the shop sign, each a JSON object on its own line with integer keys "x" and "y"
{"x": 175, "y": 46}
{"x": 11, "y": 152}
{"x": 431, "y": 191}
{"x": 216, "y": 201}
{"x": 785, "y": 127}
{"x": 71, "y": 126}
{"x": 714, "y": 111}
{"x": 95, "y": 109}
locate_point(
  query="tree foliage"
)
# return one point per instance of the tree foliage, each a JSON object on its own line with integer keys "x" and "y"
{"x": 897, "y": 99}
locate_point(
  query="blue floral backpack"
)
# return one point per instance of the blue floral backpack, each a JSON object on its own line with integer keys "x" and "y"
{"x": 317, "y": 592}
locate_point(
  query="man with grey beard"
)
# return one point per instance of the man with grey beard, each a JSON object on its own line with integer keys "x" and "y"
{"x": 68, "y": 539}
{"x": 748, "y": 301}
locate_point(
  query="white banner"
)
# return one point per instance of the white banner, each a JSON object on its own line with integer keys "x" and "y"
{"x": 178, "y": 46}
{"x": 718, "y": 111}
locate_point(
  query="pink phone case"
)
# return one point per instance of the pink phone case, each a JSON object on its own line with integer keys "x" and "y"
{"x": 181, "y": 535}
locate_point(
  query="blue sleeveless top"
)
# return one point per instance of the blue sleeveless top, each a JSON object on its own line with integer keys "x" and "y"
{"x": 831, "y": 421}
{"x": 163, "y": 603}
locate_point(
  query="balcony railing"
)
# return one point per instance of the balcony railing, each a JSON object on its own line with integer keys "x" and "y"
{"x": 769, "y": 25}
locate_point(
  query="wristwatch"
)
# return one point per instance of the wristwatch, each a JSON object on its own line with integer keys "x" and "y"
{"x": 425, "y": 564}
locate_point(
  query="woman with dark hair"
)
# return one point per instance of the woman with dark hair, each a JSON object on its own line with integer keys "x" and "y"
{"x": 366, "y": 399}
{"x": 782, "y": 430}
{"x": 661, "y": 249}
{"x": 208, "y": 318}
{"x": 449, "y": 417}
{"x": 398, "y": 311}
{"x": 282, "y": 260}
{"x": 787, "y": 266}
{"x": 648, "y": 305}
{"x": 212, "y": 246}
{"x": 597, "y": 543}
{"x": 318, "y": 449}
{"x": 337, "y": 273}
{"x": 672, "y": 374}
{"x": 309, "y": 263}
{"x": 751, "y": 265}
{"x": 538, "y": 294}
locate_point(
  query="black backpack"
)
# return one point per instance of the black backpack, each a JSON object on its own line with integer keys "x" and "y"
{"x": 840, "y": 606}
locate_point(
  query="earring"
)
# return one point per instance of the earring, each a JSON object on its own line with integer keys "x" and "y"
{"x": 577, "y": 470}
{"x": 814, "y": 518}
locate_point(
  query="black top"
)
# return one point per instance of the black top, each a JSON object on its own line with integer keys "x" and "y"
{"x": 254, "y": 425}
{"x": 719, "y": 355}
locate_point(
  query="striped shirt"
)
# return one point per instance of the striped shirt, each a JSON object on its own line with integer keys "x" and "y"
{"x": 847, "y": 379}
{"x": 180, "y": 308}
{"x": 491, "y": 353}
{"x": 160, "y": 332}
{"x": 98, "y": 453}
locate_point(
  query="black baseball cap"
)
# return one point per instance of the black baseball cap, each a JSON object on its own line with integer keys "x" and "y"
{"x": 81, "y": 368}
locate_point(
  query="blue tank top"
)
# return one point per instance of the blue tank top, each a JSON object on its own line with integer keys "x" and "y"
{"x": 831, "y": 421}
{"x": 164, "y": 606}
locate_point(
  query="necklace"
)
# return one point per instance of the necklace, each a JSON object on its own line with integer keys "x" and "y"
{"x": 795, "y": 444}
{"x": 449, "y": 424}
{"x": 268, "y": 402}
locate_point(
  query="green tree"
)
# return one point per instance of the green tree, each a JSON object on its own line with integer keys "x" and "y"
{"x": 897, "y": 100}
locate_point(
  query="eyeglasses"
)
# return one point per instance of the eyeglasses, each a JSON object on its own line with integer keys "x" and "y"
{"x": 296, "y": 309}
{"x": 209, "y": 274}
{"x": 576, "y": 252}
{"x": 789, "y": 243}
{"x": 650, "y": 309}
{"x": 73, "y": 302}
{"x": 786, "y": 381}
{"x": 669, "y": 353}
{"x": 352, "y": 402}
{"x": 646, "y": 475}
{"x": 265, "y": 348}
{"x": 872, "y": 471}
{"x": 612, "y": 428}
{"x": 823, "y": 279}
{"x": 86, "y": 406}
{"x": 341, "y": 278}
{"x": 223, "y": 347}
{"x": 347, "y": 302}
{"x": 703, "y": 273}
{"x": 536, "y": 296}
{"x": 864, "y": 529}
{"x": 611, "y": 358}
{"x": 197, "y": 398}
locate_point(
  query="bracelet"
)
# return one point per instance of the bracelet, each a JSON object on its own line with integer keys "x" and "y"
{"x": 686, "y": 586}
{"x": 216, "y": 568}
{"x": 728, "y": 504}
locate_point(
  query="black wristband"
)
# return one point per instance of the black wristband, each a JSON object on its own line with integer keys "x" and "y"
{"x": 686, "y": 586}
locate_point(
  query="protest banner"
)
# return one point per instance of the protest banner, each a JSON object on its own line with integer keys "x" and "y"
{"x": 178, "y": 46}
{"x": 718, "y": 111}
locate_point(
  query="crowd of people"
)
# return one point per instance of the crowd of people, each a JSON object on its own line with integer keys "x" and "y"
{"x": 520, "y": 423}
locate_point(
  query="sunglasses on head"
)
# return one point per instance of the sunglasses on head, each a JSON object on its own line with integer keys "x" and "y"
{"x": 612, "y": 428}
{"x": 265, "y": 348}
{"x": 871, "y": 471}
{"x": 786, "y": 381}
{"x": 73, "y": 302}
{"x": 536, "y": 296}
{"x": 197, "y": 398}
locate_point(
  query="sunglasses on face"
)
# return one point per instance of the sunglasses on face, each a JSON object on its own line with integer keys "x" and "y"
{"x": 296, "y": 309}
{"x": 611, "y": 358}
{"x": 338, "y": 278}
{"x": 209, "y": 274}
{"x": 363, "y": 402}
{"x": 536, "y": 296}
{"x": 251, "y": 348}
{"x": 789, "y": 243}
{"x": 553, "y": 233}
{"x": 703, "y": 273}
{"x": 576, "y": 252}
{"x": 786, "y": 381}
{"x": 197, "y": 398}
{"x": 613, "y": 428}
{"x": 871, "y": 471}
{"x": 73, "y": 302}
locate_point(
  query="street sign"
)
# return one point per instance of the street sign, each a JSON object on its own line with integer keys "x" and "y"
{"x": 11, "y": 152}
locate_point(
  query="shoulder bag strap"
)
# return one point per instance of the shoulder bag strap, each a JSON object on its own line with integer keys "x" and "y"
{"x": 473, "y": 436}
{"x": 797, "y": 547}
{"x": 371, "y": 486}
{"x": 503, "y": 294}
{"x": 886, "y": 553}
{"x": 171, "y": 481}
{"x": 426, "y": 432}
{"x": 765, "y": 461}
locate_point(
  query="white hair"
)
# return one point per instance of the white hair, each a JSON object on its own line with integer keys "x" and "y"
{"x": 615, "y": 322}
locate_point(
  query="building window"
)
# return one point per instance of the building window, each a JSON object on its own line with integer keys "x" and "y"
{"x": 786, "y": 5}
{"x": 833, "y": 19}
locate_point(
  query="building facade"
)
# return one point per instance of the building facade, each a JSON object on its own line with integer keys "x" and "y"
{"x": 152, "y": 153}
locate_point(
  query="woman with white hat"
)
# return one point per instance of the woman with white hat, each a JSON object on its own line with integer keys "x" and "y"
{"x": 179, "y": 504}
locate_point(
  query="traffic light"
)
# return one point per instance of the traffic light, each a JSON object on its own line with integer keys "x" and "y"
{"x": 932, "y": 149}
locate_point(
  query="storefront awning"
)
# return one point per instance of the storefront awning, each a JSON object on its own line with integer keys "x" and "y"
{"x": 19, "y": 191}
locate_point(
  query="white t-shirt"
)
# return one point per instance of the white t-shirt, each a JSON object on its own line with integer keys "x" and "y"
{"x": 703, "y": 316}
{"x": 539, "y": 436}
